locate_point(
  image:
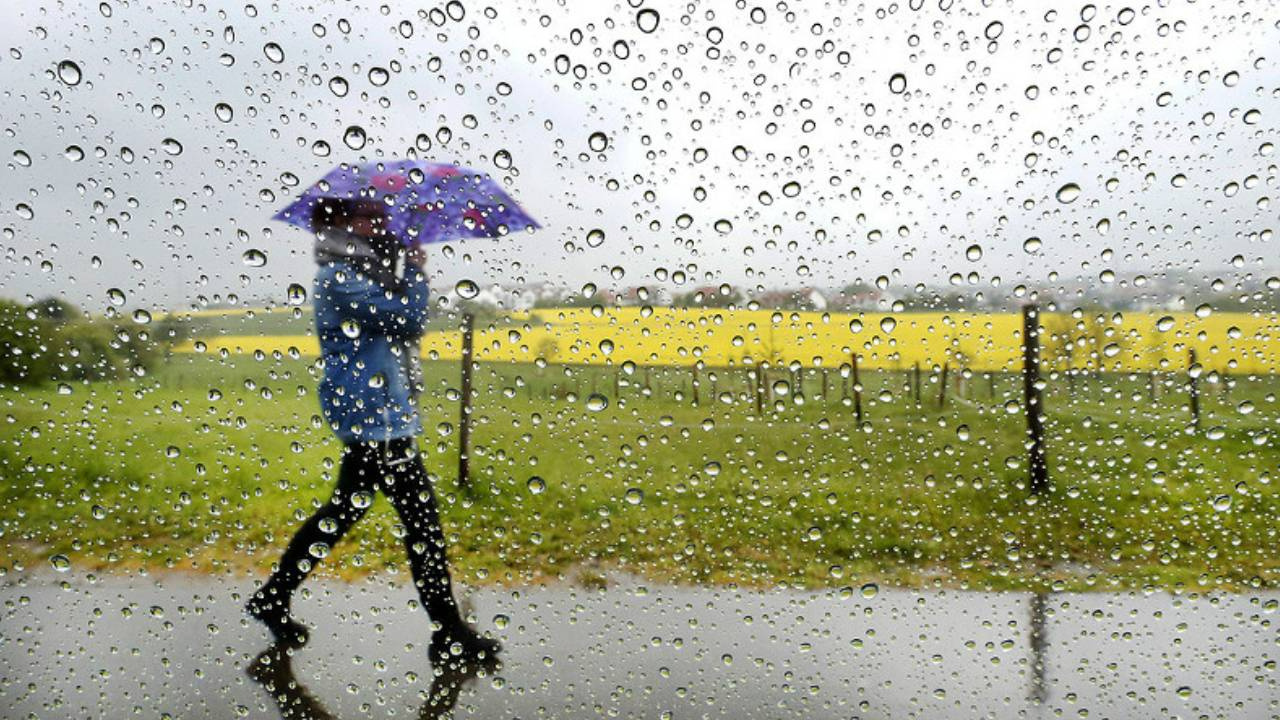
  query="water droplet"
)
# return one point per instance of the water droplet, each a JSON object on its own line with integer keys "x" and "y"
{"x": 296, "y": 293}
{"x": 223, "y": 112}
{"x": 274, "y": 52}
{"x": 1222, "y": 503}
{"x": 501, "y": 621}
{"x": 647, "y": 20}
{"x": 887, "y": 324}
{"x": 350, "y": 328}
{"x": 724, "y": 227}
{"x": 1165, "y": 324}
{"x": 338, "y": 86}
{"x": 595, "y": 237}
{"x": 597, "y": 402}
{"x": 171, "y": 146}
{"x": 598, "y": 142}
{"x": 116, "y": 296}
{"x": 74, "y": 153}
{"x": 973, "y": 253}
{"x": 69, "y": 73}
{"x": 354, "y": 137}
{"x": 781, "y": 388}
{"x": 870, "y": 590}
{"x": 993, "y": 30}
{"x": 1252, "y": 117}
{"x": 320, "y": 148}
{"x": 1068, "y": 193}
{"x": 898, "y": 83}
{"x": 466, "y": 289}
{"x": 61, "y": 563}
{"x": 1031, "y": 245}
{"x": 502, "y": 159}
{"x": 791, "y": 189}
{"x": 379, "y": 76}
{"x": 1204, "y": 310}
{"x": 634, "y": 496}
{"x": 141, "y": 317}
{"x": 606, "y": 346}
{"x": 536, "y": 485}
{"x": 254, "y": 257}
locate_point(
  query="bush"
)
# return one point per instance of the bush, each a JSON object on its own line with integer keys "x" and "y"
{"x": 37, "y": 345}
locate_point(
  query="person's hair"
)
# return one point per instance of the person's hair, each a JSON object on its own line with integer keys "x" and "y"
{"x": 331, "y": 213}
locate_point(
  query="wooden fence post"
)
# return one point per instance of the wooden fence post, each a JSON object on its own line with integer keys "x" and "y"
{"x": 1193, "y": 388}
{"x": 464, "y": 420}
{"x": 991, "y": 385}
{"x": 1034, "y": 401}
{"x": 942, "y": 386}
{"x": 759, "y": 390}
{"x": 1151, "y": 386}
{"x": 857, "y": 388}
{"x": 694, "y": 385}
{"x": 917, "y": 379}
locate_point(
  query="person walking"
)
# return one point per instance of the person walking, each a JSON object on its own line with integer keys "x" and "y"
{"x": 370, "y": 296}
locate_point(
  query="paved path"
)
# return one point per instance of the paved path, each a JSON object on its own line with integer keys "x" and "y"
{"x": 114, "y": 647}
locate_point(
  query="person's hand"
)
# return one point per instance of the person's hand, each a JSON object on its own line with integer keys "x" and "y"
{"x": 416, "y": 257}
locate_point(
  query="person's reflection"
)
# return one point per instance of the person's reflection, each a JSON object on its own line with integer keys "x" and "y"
{"x": 273, "y": 669}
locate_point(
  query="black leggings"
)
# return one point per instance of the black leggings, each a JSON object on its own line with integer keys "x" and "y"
{"x": 395, "y": 468}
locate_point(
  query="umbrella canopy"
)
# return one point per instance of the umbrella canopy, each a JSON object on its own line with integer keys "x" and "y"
{"x": 425, "y": 202}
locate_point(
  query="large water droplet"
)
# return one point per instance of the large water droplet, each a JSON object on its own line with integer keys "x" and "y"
{"x": 223, "y": 112}
{"x": 466, "y": 289}
{"x": 254, "y": 257}
{"x": 69, "y": 73}
{"x": 274, "y": 52}
{"x": 355, "y": 137}
{"x": 1068, "y": 193}
{"x": 647, "y": 20}
{"x": 897, "y": 83}
{"x": 598, "y": 142}
{"x": 597, "y": 402}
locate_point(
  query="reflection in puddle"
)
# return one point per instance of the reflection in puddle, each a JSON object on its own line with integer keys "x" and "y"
{"x": 273, "y": 670}
{"x": 180, "y": 646}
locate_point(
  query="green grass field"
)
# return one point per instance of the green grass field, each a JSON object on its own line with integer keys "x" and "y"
{"x": 209, "y": 463}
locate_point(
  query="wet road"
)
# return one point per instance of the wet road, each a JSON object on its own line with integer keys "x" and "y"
{"x": 111, "y": 647}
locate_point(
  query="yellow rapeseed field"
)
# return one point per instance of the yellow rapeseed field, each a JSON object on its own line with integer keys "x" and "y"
{"x": 1234, "y": 342}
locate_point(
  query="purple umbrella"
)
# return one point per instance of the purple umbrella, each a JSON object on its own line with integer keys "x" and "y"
{"x": 426, "y": 202}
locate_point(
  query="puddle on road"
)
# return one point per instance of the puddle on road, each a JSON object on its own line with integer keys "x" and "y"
{"x": 179, "y": 647}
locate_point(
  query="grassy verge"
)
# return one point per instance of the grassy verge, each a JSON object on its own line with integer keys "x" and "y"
{"x": 211, "y": 462}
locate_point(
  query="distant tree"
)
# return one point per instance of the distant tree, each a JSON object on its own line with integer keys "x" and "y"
{"x": 56, "y": 309}
{"x": 23, "y": 344}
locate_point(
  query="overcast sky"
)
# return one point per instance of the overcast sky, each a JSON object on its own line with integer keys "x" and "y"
{"x": 156, "y": 166}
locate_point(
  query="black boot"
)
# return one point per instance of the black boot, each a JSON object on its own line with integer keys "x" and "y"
{"x": 457, "y": 646}
{"x": 274, "y": 613}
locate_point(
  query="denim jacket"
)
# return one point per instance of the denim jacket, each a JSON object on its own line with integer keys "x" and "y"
{"x": 369, "y": 342}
